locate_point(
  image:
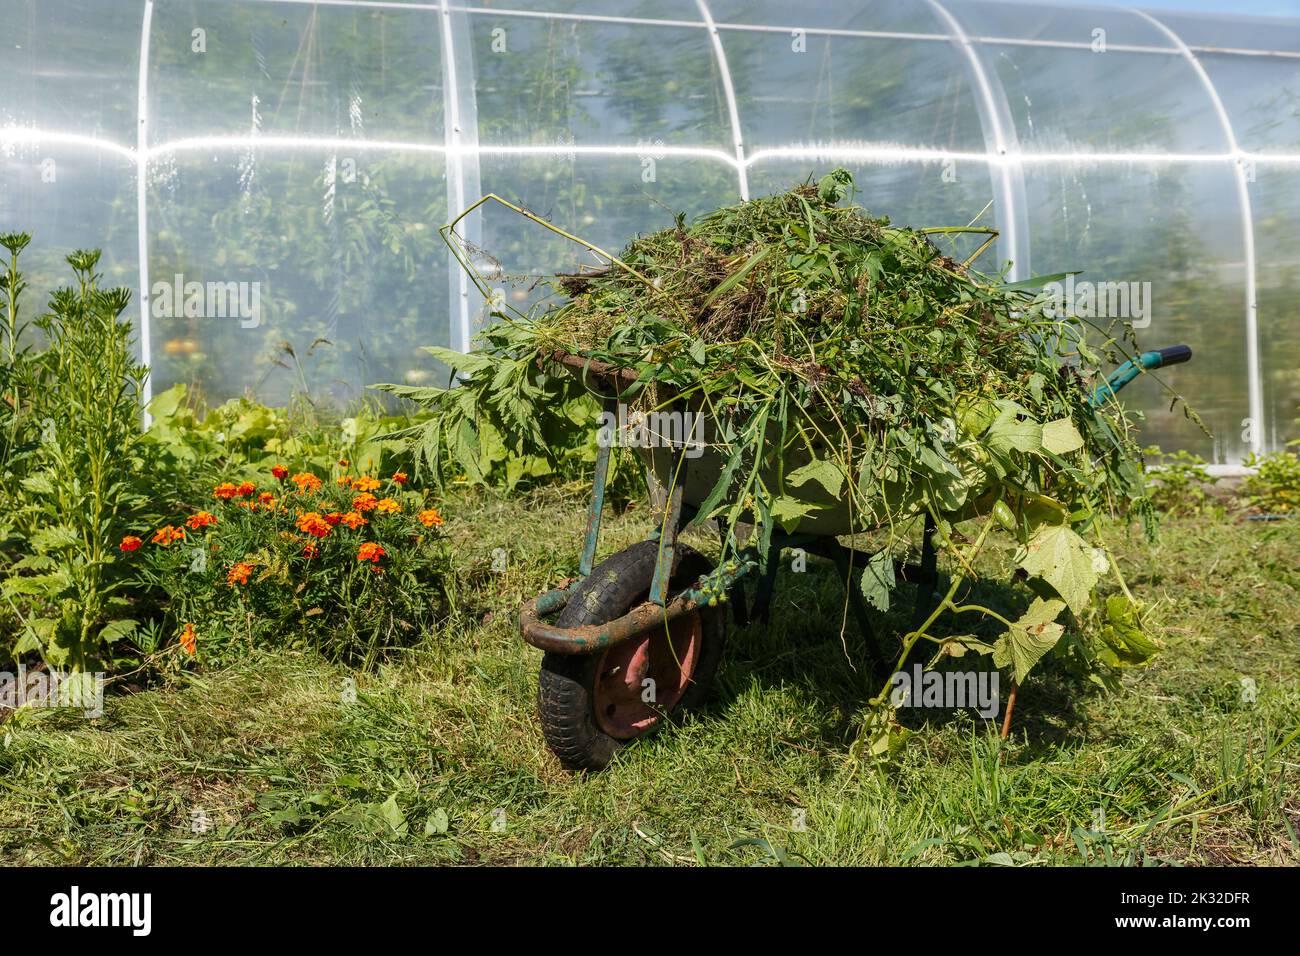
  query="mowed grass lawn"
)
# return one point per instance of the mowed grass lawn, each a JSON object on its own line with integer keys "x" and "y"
{"x": 439, "y": 759}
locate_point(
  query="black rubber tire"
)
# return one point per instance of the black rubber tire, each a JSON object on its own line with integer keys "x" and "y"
{"x": 566, "y": 683}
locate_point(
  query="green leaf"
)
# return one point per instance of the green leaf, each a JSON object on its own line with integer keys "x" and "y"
{"x": 975, "y": 418}
{"x": 959, "y": 644}
{"x": 1036, "y": 282}
{"x": 436, "y": 823}
{"x": 1026, "y": 641}
{"x": 390, "y": 813}
{"x": 1125, "y": 643}
{"x": 1008, "y": 431}
{"x": 823, "y": 471}
{"x": 1068, "y": 564}
{"x": 878, "y": 579}
{"x": 36, "y": 635}
{"x": 835, "y": 185}
{"x": 881, "y": 736}
{"x": 116, "y": 630}
{"x": 53, "y": 538}
{"x": 45, "y": 585}
{"x": 467, "y": 363}
{"x": 165, "y": 404}
{"x": 1060, "y": 437}
{"x": 787, "y": 511}
{"x": 39, "y": 484}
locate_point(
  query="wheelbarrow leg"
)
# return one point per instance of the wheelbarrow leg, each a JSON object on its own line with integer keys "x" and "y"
{"x": 925, "y": 585}
{"x": 672, "y": 522}
{"x": 767, "y": 583}
{"x": 597, "y": 503}
{"x": 736, "y": 593}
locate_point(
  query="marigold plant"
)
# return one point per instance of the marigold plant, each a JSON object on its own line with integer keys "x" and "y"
{"x": 303, "y": 567}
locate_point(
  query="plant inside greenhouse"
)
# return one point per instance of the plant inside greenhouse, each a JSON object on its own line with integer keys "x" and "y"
{"x": 687, "y": 434}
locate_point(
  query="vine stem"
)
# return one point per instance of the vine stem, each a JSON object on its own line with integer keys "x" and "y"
{"x": 910, "y": 640}
{"x": 1011, "y": 706}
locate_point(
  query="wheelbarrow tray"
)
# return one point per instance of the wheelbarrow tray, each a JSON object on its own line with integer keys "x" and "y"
{"x": 833, "y": 515}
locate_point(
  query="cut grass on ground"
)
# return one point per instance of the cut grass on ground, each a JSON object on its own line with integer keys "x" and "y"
{"x": 437, "y": 757}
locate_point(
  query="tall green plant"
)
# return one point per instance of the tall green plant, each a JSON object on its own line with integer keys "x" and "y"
{"x": 79, "y": 483}
{"x": 13, "y": 370}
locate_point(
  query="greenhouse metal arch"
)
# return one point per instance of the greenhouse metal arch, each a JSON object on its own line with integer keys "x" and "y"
{"x": 310, "y": 149}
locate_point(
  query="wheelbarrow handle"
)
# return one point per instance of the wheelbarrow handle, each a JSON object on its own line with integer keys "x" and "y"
{"x": 1147, "y": 361}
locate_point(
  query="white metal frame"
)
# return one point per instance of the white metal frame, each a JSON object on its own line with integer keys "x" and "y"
{"x": 456, "y": 200}
{"x": 1254, "y": 378}
{"x": 1006, "y": 184}
{"x": 142, "y": 201}
{"x": 729, "y": 91}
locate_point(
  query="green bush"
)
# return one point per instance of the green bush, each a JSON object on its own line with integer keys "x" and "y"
{"x": 1275, "y": 486}
{"x": 75, "y": 467}
{"x": 1178, "y": 485}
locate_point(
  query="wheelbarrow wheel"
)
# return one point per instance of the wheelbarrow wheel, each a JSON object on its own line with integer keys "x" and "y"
{"x": 593, "y": 705}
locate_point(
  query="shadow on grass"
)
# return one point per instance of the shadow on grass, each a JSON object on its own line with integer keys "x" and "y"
{"x": 812, "y": 644}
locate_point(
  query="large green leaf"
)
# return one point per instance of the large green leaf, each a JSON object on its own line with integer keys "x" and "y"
{"x": 44, "y": 585}
{"x": 53, "y": 538}
{"x": 878, "y": 579}
{"x": 116, "y": 630}
{"x": 1069, "y": 565}
{"x": 1124, "y": 644}
{"x": 1060, "y": 437}
{"x": 823, "y": 471}
{"x": 1026, "y": 641}
{"x": 787, "y": 511}
{"x": 1009, "y": 431}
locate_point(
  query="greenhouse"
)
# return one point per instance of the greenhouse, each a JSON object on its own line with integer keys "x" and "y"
{"x": 674, "y": 433}
{"x": 298, "y": 158}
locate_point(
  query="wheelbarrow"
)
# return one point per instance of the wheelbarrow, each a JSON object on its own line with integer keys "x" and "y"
{"x": 633, "y": 643}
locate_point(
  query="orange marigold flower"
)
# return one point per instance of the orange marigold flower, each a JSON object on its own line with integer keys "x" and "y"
{"x": 344, "y": 481}
{"x": 238, "y": 574}
{"x": 429, "y": 517}
{"x": 225, "y": 491}
{"x": 279, "y": 471}
{"x": 364, "y": 502}
{"x": 310, "y": 549}
{"x": 167, "y": 534}
{"x": 313, "y": 524}
{"x": 354, "y": 520}
{"x": 334, "y": 517}
{"x": 388, "y": 506}
{"x": 266, "y": 499}
{"x": 400, "y": 477}
{"x": 366, "y": 483}
{"x": 246, "y": 488}
{"x": 343, "y": 462}
{"x": 130, "y": 543}
{"x": 306, "y": 481}
{"x": 189, "y": 640}
{"x": 200, "y": 520}
{"x": 370, "y": 552}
